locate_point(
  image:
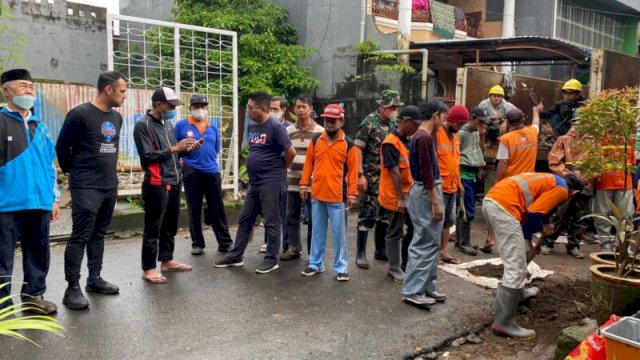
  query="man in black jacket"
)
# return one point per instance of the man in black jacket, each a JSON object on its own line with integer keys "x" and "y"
{"x": 159, "y": 156}
{"x": 562, "y": 112}
{"x": 87, "y": 148}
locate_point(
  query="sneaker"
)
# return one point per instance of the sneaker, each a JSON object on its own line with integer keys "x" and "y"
{"x": 439, "y": 297}
{"x": 545, "y": 250}
{"x": 39, "y": 305}
{"x": 309, "y": 271}
{"x": 342, "y": 277}
{"x": 266, "y": 267}
{"x": 418, "y": 300}
{"x": 289, "y": 256}
{"x": 74, "y": 299}
{"x": 196, "y": 250}
{"x": 102, "y": 287}
{"x": 575, "y": 252}
{"x": 227, "y": 262}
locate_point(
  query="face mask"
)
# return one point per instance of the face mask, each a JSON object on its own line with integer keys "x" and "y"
{"x": 24, "y": 101}
{"x": 199, "y": 113}
{"x": 170, "y": 115}
{"x": 276, "y": 115}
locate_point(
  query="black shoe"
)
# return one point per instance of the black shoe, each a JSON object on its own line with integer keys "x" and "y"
{"x": 227, "y": 262}
{"x": 468, "y": 250}
{"x": 266, "y": 267}
{"x": 38, "y": 305}
{"x": 342, "y": 277}
{"x": 196, "y": 250}
{"x": 361, "y": 250}
{"x": 381, "y": 257}
{"x": 74, "y": 299}
{"x": 102, "y": 287}
{"x": 289, "y": 256}
{"x": 439, "y": 297}
{"x": 309, "y": 271}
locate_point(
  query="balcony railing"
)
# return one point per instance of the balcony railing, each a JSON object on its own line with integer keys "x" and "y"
{"x": 389, "y": 9}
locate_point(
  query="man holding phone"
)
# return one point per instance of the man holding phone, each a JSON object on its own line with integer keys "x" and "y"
{"x": 202, "y": 177}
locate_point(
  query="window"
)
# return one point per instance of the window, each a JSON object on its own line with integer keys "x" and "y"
{"x": 81, "y": 13}
{"x": 70, "y": 12}
{"x": 495, "y": 8}
{"x": 588, "y": 27}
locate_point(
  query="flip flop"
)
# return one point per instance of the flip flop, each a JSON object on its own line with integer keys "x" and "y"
{"x": 486, "y": 249}
{"x": 177, "y": 268}
{"x": 155, "y": 279}
{"x": 450, "y": 260}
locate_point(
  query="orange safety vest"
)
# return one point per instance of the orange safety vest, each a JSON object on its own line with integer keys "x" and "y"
{"x": 387, "y": 196}
{"x": 448, "y": 160}
{"x": 614, "y": 179}
{"x": 528, "y": 192}
{"x": 523, "y": 150}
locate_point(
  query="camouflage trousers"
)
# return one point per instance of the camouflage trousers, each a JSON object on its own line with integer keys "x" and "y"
{"x": 368, "y": 211}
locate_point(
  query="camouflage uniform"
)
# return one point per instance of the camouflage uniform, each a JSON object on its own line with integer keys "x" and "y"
{"x": 371, "y": 133}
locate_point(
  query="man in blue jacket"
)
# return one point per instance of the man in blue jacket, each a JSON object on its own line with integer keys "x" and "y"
{"x": 29, "y": 191}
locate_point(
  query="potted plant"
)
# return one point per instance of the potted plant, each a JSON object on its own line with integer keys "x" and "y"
{"x": 12, "y": 320}
{"x": 608, "y": 122}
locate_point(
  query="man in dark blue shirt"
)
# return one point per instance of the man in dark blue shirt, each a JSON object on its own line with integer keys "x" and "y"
{"x": 270, "y": 154}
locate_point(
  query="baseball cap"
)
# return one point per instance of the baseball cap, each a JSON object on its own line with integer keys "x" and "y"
{"x": 515, "y": 115}
{"x": 410, "y": 112}
{"x": 480, "y": 114}
{"x": 334, "y": 111}
{"x": 458, "y": 113}
{"x": 167, "y": 95}
{"x": 197, "y": 99}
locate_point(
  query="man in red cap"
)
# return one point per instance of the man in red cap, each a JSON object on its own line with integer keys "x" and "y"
{"x": 331, "y": 160}
{"x": 448, "y": 148}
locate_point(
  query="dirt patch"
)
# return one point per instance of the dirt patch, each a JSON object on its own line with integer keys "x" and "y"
{"x": 489, "y": 270}
{"x": 562, "y": 302}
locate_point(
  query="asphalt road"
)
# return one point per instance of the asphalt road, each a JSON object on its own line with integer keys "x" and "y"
{"x": 235, "y": 313}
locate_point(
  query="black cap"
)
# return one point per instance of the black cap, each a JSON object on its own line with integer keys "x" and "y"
{"x": 515, "y": 116}
{"x": 15, "y": 74}
{"x": 410, "y": 112}
{"x": 197, "y": 99}
{"x": 167, "y": 95}
{"x": 480, "y": 114}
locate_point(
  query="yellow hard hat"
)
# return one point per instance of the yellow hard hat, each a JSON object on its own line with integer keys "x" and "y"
{"x": 573, "y": 85}
{"x": 496, "y": 90}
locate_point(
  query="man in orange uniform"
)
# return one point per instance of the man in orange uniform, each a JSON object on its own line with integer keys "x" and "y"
{"x": 521, "y": 199}
{"x": 331, "y": 159}
{"x": 519, "y": 147}
{"x": 448, "y": 148}
{"x": 395, "y": 181}
{"x": 613, "y": 186}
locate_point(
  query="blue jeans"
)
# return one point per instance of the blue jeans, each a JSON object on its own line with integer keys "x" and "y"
{"x": 322, "y": 212}
{"x": 31, "y": 228}
{"x": 469, "y": 200}
{"x": 422, "y": 267}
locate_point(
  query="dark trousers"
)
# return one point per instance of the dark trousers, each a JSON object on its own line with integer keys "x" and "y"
{"x": 196, "y": 185}
{"x": 91, "y": 213}
{"x": 294, "y": 210}
{"x": 31, "y": 228}
{"x": 469, "y": 200}
{"x": 577, "y": 207}
{"x": 161, "y": 214}
{"x": 395, "y": 230}
{"x": 265, "y": 199}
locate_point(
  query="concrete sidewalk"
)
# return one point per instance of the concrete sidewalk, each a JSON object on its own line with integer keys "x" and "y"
{"x": 237, "y": 314}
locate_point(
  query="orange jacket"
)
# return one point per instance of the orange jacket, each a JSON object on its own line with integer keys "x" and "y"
{"x": 448, "y": 161}
{"x": 327, "y": 164}
{"x": 529, "y": 192}
{"x": 387, "y": 196}
{"x": 523, "y": 150}
{"x": 565, "y": 154}
{"x": 614, "y": 179}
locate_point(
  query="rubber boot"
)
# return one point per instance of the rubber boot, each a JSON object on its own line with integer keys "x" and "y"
{"x": 464, "y": 230}
{"x": 361, "y": 250}
{"x": 73, "y": 297}
{"x": 507, "y": 300}
{"x": 393, "y": 253}
{"x": 380, "y": 233}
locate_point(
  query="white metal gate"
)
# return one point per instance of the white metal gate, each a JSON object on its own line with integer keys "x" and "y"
{"x": 189, "y": 59}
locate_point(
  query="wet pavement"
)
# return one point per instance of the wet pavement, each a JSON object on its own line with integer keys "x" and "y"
{"x": 235, "y": 313}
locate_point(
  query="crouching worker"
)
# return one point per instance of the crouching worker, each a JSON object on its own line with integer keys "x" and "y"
{"x": 521, "y": 199}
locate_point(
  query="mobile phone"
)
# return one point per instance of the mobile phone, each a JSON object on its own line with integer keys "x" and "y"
{"x": 202, "y": 139}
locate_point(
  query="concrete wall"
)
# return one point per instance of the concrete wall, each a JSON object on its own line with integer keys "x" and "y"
{"x": 61, "y": 47}
{"x": 149, "y": 9}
